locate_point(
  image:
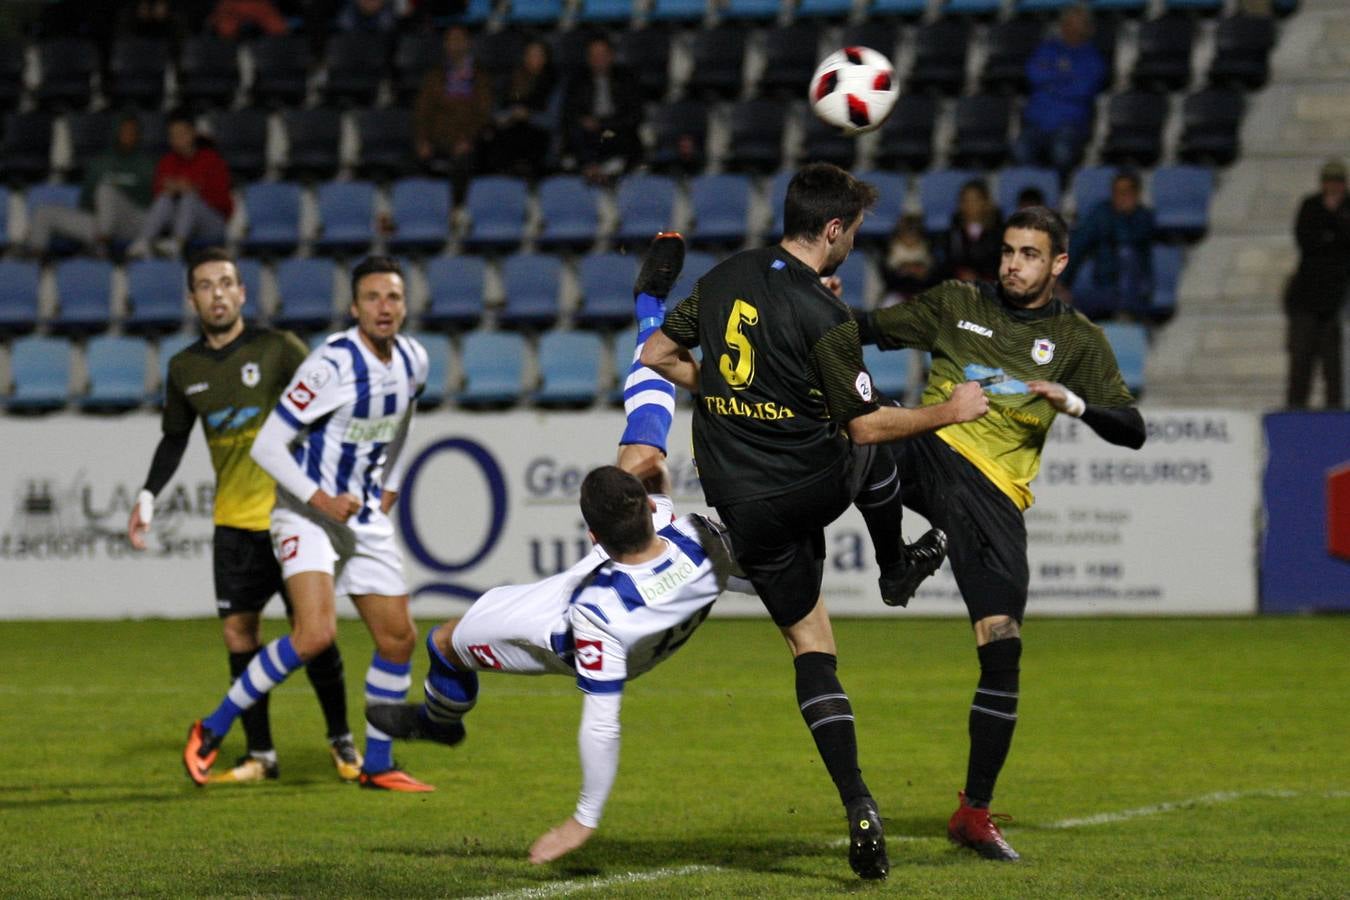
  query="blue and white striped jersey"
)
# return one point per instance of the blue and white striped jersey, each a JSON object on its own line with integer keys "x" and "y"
{"x": 345, "y": 406}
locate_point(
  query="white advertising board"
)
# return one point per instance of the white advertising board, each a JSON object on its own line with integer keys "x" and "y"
{"x": 491, "y": 499}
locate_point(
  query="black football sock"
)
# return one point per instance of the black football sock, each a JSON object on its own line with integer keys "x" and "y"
{"x": 257, "y": 725}
{"x": 828, "y": 714}
{"x": 879, "y": 503}
{"x": 993, "y": 716}
{"x": 326, "y": 675}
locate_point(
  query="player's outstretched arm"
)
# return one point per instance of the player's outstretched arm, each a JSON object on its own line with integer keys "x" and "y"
{"x": 892, "y": 423}
{"x": 559, "y": 841}
{"x": 1119, "y": 425}
{"x": 598, "y": 741}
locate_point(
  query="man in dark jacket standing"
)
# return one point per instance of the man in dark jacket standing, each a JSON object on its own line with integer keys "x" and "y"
{"x": 1317, "y": 290}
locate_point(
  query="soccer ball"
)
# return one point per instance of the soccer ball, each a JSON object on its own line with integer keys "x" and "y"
{"x": 854, "y": 90}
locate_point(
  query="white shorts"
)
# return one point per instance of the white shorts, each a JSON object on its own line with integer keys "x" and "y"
{"x": 362, "y": 558}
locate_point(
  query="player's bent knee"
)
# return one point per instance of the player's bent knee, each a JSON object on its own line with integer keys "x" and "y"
{"x": 310, "y": 641}
{"x": 996, "y": 628}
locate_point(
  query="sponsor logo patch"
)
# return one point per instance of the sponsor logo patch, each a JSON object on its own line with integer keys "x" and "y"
{"x": 290, "y": 547}
{"x": 590, "y": 655}
{"x": 483, "y": 653}
{"x": 196, "y": 388}
{"x": 250, "y": 374}
{"x": 300, "y": 395}
{"x": 317, "y": 377}
{"x": 978, "y": 329}
{"x": 1042, "y": 351}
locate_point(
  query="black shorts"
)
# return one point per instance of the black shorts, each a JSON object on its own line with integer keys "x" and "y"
{"x": 986, "y": 536}
{"x": 246, "y": 571}
{"x": 779, "y": 541}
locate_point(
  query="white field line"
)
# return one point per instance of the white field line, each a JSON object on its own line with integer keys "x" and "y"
{"x": 1106, "y": 818}
{"x": 563, "y": 888}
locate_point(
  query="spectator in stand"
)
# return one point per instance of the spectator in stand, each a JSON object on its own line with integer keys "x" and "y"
{"x": 909, "y": 266}
{"x": 234, "y": 19}
{"x": 113, "y": 199}
{"x": 453, "y": 112}
{"x": 973, "y": 245}
{"x": 528, "y": 115}
{"x": 370, "y": 16}
{"x": 1117, "y": 235}
{"x": 192, "y": 192}
{"x": 1316, "y": 292}
{"x": 601, "y": 112}
{"x": 1029, "y": 197}
{"x": 1065, "y": 74}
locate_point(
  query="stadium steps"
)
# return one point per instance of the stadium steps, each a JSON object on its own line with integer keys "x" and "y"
{"x": 1226, "y": 346}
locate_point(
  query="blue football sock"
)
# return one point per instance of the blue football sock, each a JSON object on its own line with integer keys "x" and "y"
{"x": 267, "y": 669}
{"x": 386, "y": 682}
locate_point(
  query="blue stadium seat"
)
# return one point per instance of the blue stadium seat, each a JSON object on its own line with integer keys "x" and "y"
{"x": 981, "y": 130}
{"x": 475, "y": 12}
{"x": 438, "y": 369}
{"x": 346, "y": 214}
{"x": 39, "y": 369}
{"x": 273, "y": 217}
{"x": 750, "y": 10}
{"x": 938, "y": 192}
{"x": 530, "y": 282}
{"x": 454, "y": 292}
{"x": 497, "y": 207}
{"x": 1121, "y": 7}
{"x": 605, "y": 11}
{"x": 646, "y": 206}
{"x": 695, "y": 264}
{"x": 166, "y": 349}
{"x": 84, "y": 296}
{"x": 18, "y": 297}
{"x": 678, "y": 10}
{"x": 155, "y": 291}
{"x": 305, "y": 288}
{"x": 941, "y": 49}
{"x": 68, "y": 65}
{"x": 1091, "y": 185}
{"x": 906, "y": 9}
{"x": 621, "y": 348}
{"x": 890, "y": 370}
{"x": 250, "y": 273}
{"x": 569, "y": 369}
{"x": 494, "y": 369}
{"x": 208, "y": 71}
{"x": 535, "y": 12}
{"x": 25, "y": 146}
{"x": 854, "y": 273}
{"x": 1013, "y": 180}
{"x": 1089, "y": 299}
{"x": 824, "y": 9}
{"x": 4, "y": 218}
{"x": 55, "y": 195}
{"x": 1167, "y": 265}
{"x": 313, "y": 141}
{"x": 778, "y": 187}
{"x": 757, "y": 128}
{"x": 679, "y": 135}
{"x": 1205, "y": 7}
{"x": 386, "y": 150}
{"x": 1129, "y": 341}
{"x": 116, "y": 368}
{"x": 421, "y": 212}
{"x": 972, "y": 7}
{"x": 721, "y": 205}
{"x": 881, "y": 218}
{"x": 1181, "y": 200}
{"x": 607, "y": 289}
{"x": 571, "y": 216}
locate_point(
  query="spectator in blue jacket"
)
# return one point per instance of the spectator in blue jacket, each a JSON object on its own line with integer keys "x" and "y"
{"x": 1066, "y": 73}
{"x": 1117, "y": 237}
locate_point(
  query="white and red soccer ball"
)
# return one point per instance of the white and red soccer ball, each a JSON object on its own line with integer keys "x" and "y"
{"x": 854, "y": 89}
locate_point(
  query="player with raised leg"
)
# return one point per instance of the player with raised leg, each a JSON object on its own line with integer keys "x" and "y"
{"x": 333, "y": 443}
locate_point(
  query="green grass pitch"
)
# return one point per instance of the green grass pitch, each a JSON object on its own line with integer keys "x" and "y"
{"x": 1154, "y": 758}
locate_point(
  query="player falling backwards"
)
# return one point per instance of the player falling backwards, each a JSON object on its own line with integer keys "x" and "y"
{"x": 1036, "y": 357}
{"x": 230, "y": 378}
{"x": 333, "y": 443}
{"x": 628, "y": 605}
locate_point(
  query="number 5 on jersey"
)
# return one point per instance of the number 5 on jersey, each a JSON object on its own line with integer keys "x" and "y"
{"x": 739, "y": 375}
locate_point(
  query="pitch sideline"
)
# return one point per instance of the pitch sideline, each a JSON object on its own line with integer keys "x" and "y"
{"x": 563, "y": 888}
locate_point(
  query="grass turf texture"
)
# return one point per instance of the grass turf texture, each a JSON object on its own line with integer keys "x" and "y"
{"x": 720, "y": 792}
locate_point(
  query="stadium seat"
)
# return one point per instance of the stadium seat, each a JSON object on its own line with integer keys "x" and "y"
{"x": 569, "y": 210}
{"x": 4, "y": 218}
{"x": 12, "y": 64}
{"x": 757, "y": 128}
{"x": 357, "y": 63}
{"x": 1167, "y": 265}
{"x": 622, "y": 346}
{"x": 1210, "y": 123}
{"x": 677, "y": 11}
{"x": 475, "y": 13}
{"x": 1134, "y": 128}
{"x": 972, "y": 8}
{"x": 823, "y": 142}
{"x": 498, "y": 51}
{"x": 777, "y": 197}
{"x": 1242, "y": 47}
{"x": 721, "y": 206}
{"x": 534, "y": 12}
{"x": 1095, "y": 302}
{"x": 241, "y": 137}
{"x": 281, "y": 69}
{"x": 155, "y": 291}
{"x": 208, "y": 72}
{"x": 421, "y": 212}
{"x": 84, "y": 296}
{"x": 717, "y": 56}
{"x": 824, "y": 9}
{"x": 25, "y": 148}
{"x": 645, "y": 53}
{"x": 749, "y": 10}
{"x": 882, "y": 36}
{"x": 1203, "y": 7}
{"x": 116, "y": 369}
{"x": 1091, "y": 185}
{"x": 250, "y": 275}
{"x": 68, "y": 65}
{"x": 646, "y": 206}
{"x": 679, "y": 137}
{"x": 497, "y": 206}
{"x": 455, "y": 291}
{"x": 568, "y": 51}
{"x": 346, "y": 217}
{"x": 273, "y": 217}
{"x": 1134, "y": 8}
{"x": 1010, "y": 44}
{"x": 605, "y": 12}
{"x": 494, "y": 369}
{"x": 91, "y": 133}
{"x": 438, "y": 369}
{"x": 530, "y": 283}
{"x": 790, "y": 58}
{"x": 940, "y": 57}
{"x": 415, "y": 53}
{"x": 890, "y": 370}
{"x": 1013, "y": 180}
{"x": 981, "y": 131}
{"x": 385, "y": 139}
{"x": 1181, "y": 200}
{"x": 856, "y": 275}
{"x": 607, "y": 289}
{"x": 881, "y": 218}
{"x": 136, "y": 72}
{"x": 305, "y": 290}
{"x": 313, "y": 139}
{"x": 938, "y": 193}
{"x": 1164, "y": 60}
{"x": 49, "y": 194}
{"x": 569, "y": 369}
{"x": 165, "y": 350}
{"x": 696, "y": 263}
{"x": 906, "y": 139}
{"x": 1129, "y": 341}
{"x": 904, "y": 9}
{"x": 39, "y": 371}
{"x": 18, "y": 297}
